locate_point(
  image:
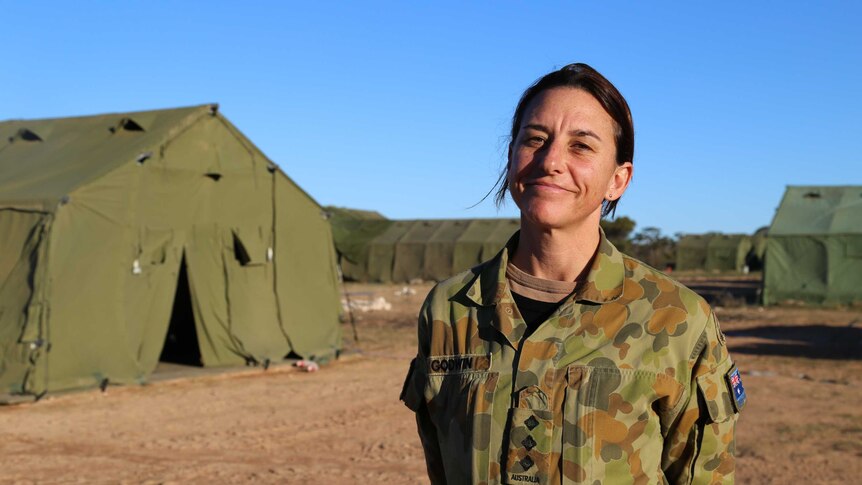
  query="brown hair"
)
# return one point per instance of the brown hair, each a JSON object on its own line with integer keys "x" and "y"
{"x": 579, "y": 76}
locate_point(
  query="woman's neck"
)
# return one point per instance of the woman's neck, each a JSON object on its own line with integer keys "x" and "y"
{"x": 556, "y": 254}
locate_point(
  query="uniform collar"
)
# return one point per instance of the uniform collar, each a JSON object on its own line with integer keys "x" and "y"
{"x": 604, "y": 281}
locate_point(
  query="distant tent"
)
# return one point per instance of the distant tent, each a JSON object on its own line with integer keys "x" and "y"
{"x": 115, "y": 227}
{"x": 756, "y": 256}
{"x": 727, "y": 252}
{"x": 380, "y": 254}
{"x": 439, "y": 258}
{"x": 468, "y": 252}
{"x": 353, "y": 230}
{"x": 814, "y": 248}
{"x": 405, "y": 250}
{"x": 692, "y": 252}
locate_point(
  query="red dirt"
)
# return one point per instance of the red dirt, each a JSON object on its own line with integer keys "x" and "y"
{"x": 344, "y": 424}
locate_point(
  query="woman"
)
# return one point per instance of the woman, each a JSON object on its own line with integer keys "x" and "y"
{"x": 562, "y": 360}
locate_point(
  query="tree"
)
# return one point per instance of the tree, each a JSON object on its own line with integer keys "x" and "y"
{"x": 652, "y": 247}
{"x": 618, "y": 231}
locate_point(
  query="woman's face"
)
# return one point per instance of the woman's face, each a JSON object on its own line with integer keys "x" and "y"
{"x": 563, "y": 162}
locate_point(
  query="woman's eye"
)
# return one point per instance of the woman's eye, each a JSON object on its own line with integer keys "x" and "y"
{"x": 581, "y": 146}
{"x": 535, "y": 141}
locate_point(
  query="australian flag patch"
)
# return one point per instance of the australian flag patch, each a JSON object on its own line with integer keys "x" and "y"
{"x": 735, "y": 383}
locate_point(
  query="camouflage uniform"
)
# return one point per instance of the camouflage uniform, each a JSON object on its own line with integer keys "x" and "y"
{"x": 624, "y": 383}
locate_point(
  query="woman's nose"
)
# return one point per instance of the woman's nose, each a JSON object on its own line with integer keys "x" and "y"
{"x": 552, "y": 158}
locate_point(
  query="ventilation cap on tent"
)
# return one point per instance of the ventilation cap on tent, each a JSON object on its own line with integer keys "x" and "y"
{"x": 812, "y": 195}
{"x": 127, "y": 125}
{"x": 25, "y": 134}
{"x": 213, "y": 109}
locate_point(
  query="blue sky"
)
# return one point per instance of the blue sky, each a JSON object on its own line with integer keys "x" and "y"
{"x": 403, "y": 107}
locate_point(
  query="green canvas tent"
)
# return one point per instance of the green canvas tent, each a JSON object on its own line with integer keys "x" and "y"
{"x": 727, "y": 252}
{"x": 409, "y": 262}
{"x": 114, "y": 227}
{"x": 439, "y": 258}
{"x": 468, "y": 250}
{"x": 814, "y": 247}
{"x": 380, "y": 254}
{"x": 355, "y": 229}
{"x": 755, "y": 257}
{"x": 404, "y": 250}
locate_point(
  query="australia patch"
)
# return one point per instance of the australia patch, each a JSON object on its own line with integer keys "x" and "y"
{"x": 736, "y": 389}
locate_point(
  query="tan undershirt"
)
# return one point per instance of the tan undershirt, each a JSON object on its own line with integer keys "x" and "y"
{"x": 539, "y": 289}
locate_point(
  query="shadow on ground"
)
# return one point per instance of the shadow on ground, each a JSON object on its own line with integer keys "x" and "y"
{"x": 812, "y": 341}
{"x": 727, "y": 292}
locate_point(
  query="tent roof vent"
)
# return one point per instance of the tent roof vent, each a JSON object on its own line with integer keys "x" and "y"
{"x": 127, "y": 124}
{"x": 25, "y": 134}
{"x": 214, "y": 109}
{"x": 812, "y": 195}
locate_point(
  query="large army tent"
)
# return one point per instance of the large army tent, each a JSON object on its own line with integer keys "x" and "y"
{"x": 114, "y": 227}
{"x": 814, "y": 248}
{"x": 404, "y": 250}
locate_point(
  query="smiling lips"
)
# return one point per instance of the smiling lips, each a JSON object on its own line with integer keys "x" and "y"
{"x": 546, "y": 186}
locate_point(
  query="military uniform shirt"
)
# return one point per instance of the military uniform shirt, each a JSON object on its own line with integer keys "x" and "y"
{"x": 625, "y": 383}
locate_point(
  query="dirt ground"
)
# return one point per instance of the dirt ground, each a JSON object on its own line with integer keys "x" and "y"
{"x": 802, "y": 370}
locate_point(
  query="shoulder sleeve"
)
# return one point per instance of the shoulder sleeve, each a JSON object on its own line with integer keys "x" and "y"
{"x": 412, "y": 393}
{"x": 413, "y": 396}
{"x": 699, "y": 447}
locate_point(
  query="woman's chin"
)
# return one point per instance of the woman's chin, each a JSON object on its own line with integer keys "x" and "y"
{"x": 544, "y": 217}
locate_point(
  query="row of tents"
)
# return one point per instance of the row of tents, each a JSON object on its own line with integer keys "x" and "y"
{"x": 372, "y": 248}
{"x": 811, "y": 252}
{"x": 717, "y": 252}
{"x": 131, "y": 239}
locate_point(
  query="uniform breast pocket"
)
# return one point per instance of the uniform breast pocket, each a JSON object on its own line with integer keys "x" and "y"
{"x": 613, "y": 424}
{"x": 460, "y": 406}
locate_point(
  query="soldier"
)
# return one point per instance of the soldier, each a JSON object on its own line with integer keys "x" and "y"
{"x": 562, "y": 360}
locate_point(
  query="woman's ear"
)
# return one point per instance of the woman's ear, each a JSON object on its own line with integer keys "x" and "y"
{"x": 620, "y": 180}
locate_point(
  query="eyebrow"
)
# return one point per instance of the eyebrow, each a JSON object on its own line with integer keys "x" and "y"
{"x": 570, "y": 133}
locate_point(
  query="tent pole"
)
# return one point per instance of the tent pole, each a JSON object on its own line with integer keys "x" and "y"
{"x": 349, "y": 307}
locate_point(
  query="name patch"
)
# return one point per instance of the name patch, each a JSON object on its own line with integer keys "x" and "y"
{"x": 735, "y": 382}
{"x": 450, "y": 364}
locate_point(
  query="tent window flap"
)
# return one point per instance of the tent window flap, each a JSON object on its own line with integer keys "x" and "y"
{"x": 249, "y": 247}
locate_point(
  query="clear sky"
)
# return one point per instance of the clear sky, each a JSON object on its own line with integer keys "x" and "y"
{"x": 403, "y": 107}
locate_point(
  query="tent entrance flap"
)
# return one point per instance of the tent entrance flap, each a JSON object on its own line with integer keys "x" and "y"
{"x": 181, "y": 341}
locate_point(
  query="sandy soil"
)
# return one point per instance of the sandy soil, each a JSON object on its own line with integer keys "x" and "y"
{"x": 344, "y": 424}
